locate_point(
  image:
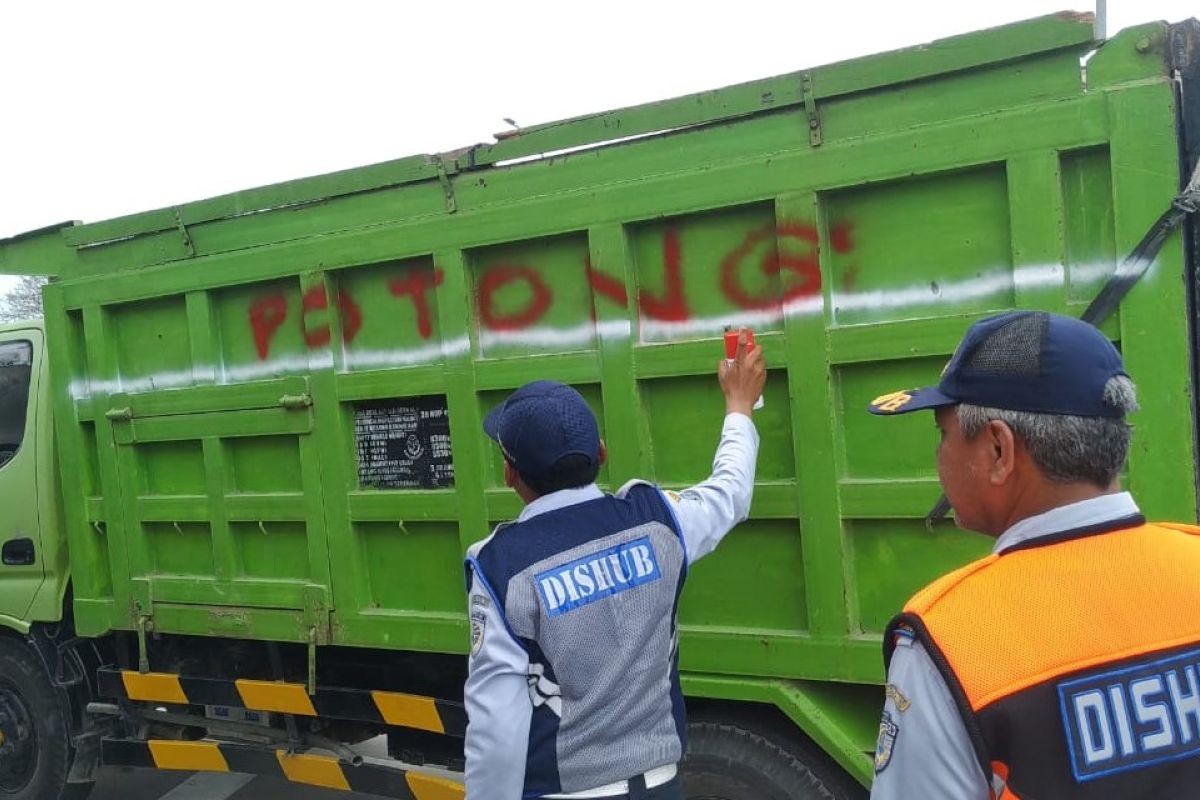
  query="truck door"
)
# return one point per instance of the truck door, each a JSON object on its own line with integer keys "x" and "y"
{"x": 222, "y": 487}
{"x": 21, "y": 572}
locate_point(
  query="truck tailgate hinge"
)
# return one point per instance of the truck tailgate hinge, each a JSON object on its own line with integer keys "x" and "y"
{"x": 810, "y": 109}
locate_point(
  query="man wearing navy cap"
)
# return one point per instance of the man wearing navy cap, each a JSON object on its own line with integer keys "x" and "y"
{"x": 1067, "y": 663}
{"x": 573, "y": 686}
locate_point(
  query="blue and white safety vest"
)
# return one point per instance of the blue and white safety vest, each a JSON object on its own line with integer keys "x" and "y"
{"x": 590, "y": 591}
{"x": 573, "y": 684}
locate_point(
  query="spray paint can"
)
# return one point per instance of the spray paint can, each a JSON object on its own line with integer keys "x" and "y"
{"x": 731, "y": 346}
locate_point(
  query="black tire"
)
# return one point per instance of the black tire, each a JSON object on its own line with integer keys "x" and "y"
{"x": 36, "y": 754}
{"x": 726, "y": 761}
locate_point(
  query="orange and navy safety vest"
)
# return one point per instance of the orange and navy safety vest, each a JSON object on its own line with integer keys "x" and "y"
{"x": 1075, "y": 661}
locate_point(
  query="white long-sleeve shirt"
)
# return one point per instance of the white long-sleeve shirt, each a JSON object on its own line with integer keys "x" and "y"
{"x": 500, "y": 691}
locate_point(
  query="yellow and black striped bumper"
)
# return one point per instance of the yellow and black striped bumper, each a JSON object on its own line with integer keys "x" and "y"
{"x": 314, "y": 770}
{"x": 388, "y": 708}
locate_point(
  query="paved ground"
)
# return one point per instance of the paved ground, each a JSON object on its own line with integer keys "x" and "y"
{"x": 141, "y": 784}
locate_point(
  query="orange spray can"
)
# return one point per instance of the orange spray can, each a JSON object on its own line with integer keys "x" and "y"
{"x": 731, "y": 345}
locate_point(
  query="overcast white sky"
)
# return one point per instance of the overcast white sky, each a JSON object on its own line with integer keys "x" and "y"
{"x": 115, "y": 107}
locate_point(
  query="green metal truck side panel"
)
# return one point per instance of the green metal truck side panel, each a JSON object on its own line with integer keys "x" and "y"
{"x": 213, "y": 364}
{"x": 859, "y": 262}
{"x": 34, "y": 253}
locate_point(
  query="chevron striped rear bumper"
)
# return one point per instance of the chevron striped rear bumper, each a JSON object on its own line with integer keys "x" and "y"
{"x": 306, "y": 768}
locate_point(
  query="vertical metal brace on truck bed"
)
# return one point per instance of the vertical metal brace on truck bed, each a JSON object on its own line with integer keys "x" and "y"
{"x": 312, "y": 661}
{"x": 143, "y": 610}
{"x": 316, "y": 617}
{"x": 143, "y": 624}
{"x": 184, "y": 236}
{"x": 810, "y": 109}
{"x": 444, "y": 180}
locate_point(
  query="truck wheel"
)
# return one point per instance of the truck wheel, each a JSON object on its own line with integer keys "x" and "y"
{"x": 35, "y": 749}
{"x": 729, "y": 762}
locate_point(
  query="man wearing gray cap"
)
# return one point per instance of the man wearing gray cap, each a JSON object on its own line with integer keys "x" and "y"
{"x": 573, "y": 684}
{"x": 1067, "y": 663}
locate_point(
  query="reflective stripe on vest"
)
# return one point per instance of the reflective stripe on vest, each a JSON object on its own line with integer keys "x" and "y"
{"x": 1076, "y": 663}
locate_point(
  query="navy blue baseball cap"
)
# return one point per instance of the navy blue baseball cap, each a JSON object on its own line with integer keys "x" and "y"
{"x": 1022, "y": 361}
{"x": 541, "y": 423}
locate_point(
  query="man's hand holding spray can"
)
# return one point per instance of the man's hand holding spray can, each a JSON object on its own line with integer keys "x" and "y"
{"x": 743, "y": 365}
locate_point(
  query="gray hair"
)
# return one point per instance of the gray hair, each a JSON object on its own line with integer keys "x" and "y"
{"x": 1068, "y": 449}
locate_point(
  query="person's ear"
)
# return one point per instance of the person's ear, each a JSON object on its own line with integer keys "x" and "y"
{"x": 1003, "y": 452}
{"x": 602, "y": 455}
{"x": 511, "y": 476}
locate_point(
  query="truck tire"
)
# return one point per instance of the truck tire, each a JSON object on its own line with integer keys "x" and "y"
{"x": 36, "y": 751}
{"x": 729, "y": 762}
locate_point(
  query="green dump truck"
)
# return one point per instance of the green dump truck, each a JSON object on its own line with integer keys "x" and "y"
{"x": 241, "y": 463}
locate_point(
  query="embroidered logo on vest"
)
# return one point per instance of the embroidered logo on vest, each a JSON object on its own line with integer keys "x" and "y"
{"x": 597, "y": 576}
{"x": 1132, "y": 717}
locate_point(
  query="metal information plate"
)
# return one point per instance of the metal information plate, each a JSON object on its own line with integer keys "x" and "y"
{"x": 404, "y": 444}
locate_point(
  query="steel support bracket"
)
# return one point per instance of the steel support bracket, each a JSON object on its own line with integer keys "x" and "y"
{"x": 810, "y": 109}
{"x": 143, "y": 616}
{"x": 312, "y": 662}
{"x": 447, "y": 186}
{"x": 316, "y": 612}
{"x": 144, "y": 624}
{"x": 184, "y": 235}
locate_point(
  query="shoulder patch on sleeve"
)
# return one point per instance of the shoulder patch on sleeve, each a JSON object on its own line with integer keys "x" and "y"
{"x": 478, "y": 631}
{"x": 672, "y": 496}
{"x": 885, "y": 745}
{"x": 897, "y": 697}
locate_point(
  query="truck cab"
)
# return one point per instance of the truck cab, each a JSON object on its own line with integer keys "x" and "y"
{"x": 32, "y": 545}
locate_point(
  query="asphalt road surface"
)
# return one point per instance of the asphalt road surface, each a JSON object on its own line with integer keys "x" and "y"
{"x": 120, "y": 783}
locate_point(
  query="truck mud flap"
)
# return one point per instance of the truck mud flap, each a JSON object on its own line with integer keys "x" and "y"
{"x": 314, "y": 770}
{"x": 362, "y": 705}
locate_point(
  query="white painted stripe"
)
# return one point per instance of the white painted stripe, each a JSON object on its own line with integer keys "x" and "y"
{"x": 892, "y": 300}
{"x": 209, "y": 786}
